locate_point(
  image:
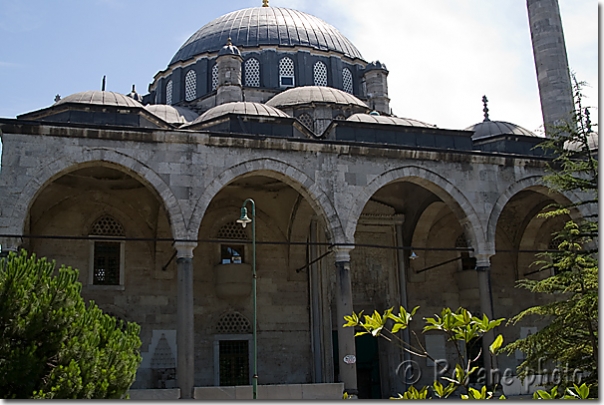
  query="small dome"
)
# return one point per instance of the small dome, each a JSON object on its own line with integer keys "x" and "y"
{"x": 592, "y": 143}
{"x": 240, "y": 107}
{"x": 314, "y": 94}
{"x": 375, "y": 65}
{"x": 229, "y": 49}
{"x": 98, "y": 97}
{"x": 487, "y": 129}
{"x": 174, "y": 115}
{"x": 380, "y": 119}
{"x": 134, "y": 95}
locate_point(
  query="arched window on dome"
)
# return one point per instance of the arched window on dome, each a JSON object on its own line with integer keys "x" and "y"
{"x": 286, "y": 72}
{"x": 347, "y": 81}
{"x": 251, "y": 69}
{"x": 169, "y": 92}
{"x": 320, "y": 74}
{"x": 214, "y": 77}
{"x": 190, "y": 85}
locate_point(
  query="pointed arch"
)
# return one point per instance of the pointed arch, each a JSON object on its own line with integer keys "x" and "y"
{"x": 49, "y": 172}
{"x": 278, "y": 170}
{"x": 445, "y": 190}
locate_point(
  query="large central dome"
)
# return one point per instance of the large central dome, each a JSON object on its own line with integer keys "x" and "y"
{"x": 258, "y": 26}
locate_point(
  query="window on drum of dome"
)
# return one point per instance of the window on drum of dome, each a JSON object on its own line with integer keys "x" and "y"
{"x": 306, "y": 120}
{"x": 169, "y": 92}
{"x": 190, "y": 85}
{"x": 251, "y": 69}
{"x": 286, "y": 72}
{"x": 107, "y": 255}
{"x": 347, "y": 81}
{"x": 214, "y": 77}
{"x": 320, "y": 74}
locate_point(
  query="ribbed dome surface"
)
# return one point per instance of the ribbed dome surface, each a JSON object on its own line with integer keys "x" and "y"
{"x": 257, "y": 26}
{"x": 174, "y": 115}
{"x": 240, "y": 107}
{"x": 98, "y": 97}
{"x": 314, "y": 94}
{"x": 379, "y": 119}
{"x": 487, "y": 129}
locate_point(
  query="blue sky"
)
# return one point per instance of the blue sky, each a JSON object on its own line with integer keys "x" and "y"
{"x": 443, "y": 55}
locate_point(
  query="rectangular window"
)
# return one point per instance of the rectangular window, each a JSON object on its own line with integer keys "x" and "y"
{"x": 287, "y": 81}
{"x": 231, "y": 254}
{"x": 234, "y": 365}
{"x": 106, "y": 270}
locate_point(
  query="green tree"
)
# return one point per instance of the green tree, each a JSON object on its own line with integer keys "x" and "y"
{"x": 53, "y": 345}
{"x": 570, "y": 338}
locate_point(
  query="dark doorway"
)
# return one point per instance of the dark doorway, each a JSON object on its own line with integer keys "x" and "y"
{"x": 368, "y": 366}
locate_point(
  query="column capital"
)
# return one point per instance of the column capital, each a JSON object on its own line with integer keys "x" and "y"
{"x": 342, "y": 253}
{"x": 483, "y": 261}
{"x": 184, "y": 249}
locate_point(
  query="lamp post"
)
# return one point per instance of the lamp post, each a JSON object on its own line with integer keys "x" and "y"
{"x": 244, "y": 220}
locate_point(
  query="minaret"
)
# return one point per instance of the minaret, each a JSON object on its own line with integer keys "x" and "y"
{"x": 551, "y": 63}
{"x": 229, "y": 74}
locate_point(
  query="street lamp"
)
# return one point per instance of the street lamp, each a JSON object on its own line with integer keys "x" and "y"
{"x": 244, "y": 220}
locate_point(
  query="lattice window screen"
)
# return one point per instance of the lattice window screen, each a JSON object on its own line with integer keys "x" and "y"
{"x": 306, "y": 120}
{"x": 233, "y": 322}
{"x": 347, "y": 80}
{"x": 169, "y": 92}
{"x": 286, "y": 67}
{"x": 252, "y": 72}
{"x": 340, "y": 117}
{"x": 214, "y": 77}
{"x": 461, "y": 241}
{"x": 320, "y": 74}
{"x": 232, "y": 230}
{"x": 190, "y": 85}
{"x": 107, "y": 226}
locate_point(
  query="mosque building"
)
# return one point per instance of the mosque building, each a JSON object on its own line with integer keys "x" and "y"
{"x": 354, "y": 208}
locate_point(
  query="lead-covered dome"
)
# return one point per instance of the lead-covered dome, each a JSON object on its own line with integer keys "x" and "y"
{"x": 97, "y": 97}
{"x": 258, "y": 26}
{"x": 379, "y": 119}
{"x": 314, "y": 94}
{"x": 240, "y": 107}
{"x": 487, "y": 129}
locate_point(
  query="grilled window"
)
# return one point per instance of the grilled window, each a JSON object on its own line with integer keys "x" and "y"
{"x": 190, "y": 85}
{"x": 169, "y": 92}
{"x": 251, "y": 69}
{"x": 234, "y": 362}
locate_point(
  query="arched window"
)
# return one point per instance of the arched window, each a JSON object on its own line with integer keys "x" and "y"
{"x": 347, "y": 81}
{"x": 231, "y": 345}
{"x": 169, "y": 92}
{"x": 108, "y": 255}
{"x": 306, "y": 120}
{"x": 190, "y": 85}
{"x": 232, "y": 252}
{"x": 320, "y": 74}
{"x": 286, "y": 72}
{"x": 251, "y": 69}
{"x": 214, "y": 77}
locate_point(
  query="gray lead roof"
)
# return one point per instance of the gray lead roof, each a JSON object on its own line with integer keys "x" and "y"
{"x": 252, "y": 27}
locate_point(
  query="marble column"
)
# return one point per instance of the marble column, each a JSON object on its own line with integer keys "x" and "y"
{"x": 346, "y": 341}
{"x": 185, "y": 367}
{"x": 483, "y": 270}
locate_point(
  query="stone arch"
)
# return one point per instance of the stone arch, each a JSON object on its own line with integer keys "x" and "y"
{"x": 91, "y": 157}
{"x": 278, "y": 170}
{"x": 445, "y": 190}
{"x": 534, "y": 183}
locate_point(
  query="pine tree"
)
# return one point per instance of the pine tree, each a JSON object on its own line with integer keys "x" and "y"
{"x": 53, "y": 345}
{"x": 571, "y": 337}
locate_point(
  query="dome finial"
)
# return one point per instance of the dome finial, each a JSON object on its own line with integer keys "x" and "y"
{"x": 485, "y": 109}
{"x": 229, "y": 43}
{"x": 264, "y": 3}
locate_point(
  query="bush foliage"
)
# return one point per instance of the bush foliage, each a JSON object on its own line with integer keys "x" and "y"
{"x": 53, "y": 345}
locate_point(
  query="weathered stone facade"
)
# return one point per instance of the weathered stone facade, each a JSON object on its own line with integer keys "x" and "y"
{"x": 352, "y": 214}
